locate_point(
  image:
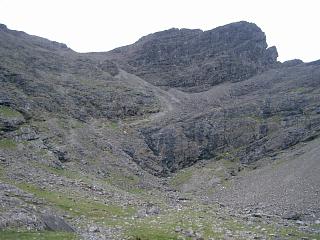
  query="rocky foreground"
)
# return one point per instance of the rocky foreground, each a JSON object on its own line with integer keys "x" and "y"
{"x": 185, "y": 134}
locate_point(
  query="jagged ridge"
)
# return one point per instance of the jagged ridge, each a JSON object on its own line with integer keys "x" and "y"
{"x": 193, "y": 60}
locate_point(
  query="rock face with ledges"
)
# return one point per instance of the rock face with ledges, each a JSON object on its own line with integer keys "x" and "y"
{"x": 257, "y": 118}
{"x": 194, "y": 60}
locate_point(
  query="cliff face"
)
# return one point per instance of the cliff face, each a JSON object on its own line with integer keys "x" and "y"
{"x": 240, "y": 100}
{"x": 193, "y": 60}
{"x": 246, "y": 120}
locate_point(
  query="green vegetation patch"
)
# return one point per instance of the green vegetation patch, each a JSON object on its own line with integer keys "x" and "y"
{"x": 163, "y": 226}
{"x": 145, "y": 233}
{"x": 181, "y": 177}
{"x": 125, "y": 181}
{"x": 66, "y": 172}
{"x": 77, "y": 206}
{"x": 77, "y": 124}
{"x": 111, "y": 125}
{"x": 299, "y": 90}
{"x": 45, "y": 235}
{"x": 8, "y": 112}
{"x": 295, "y": 234}
{"x": 256, "y": 118}
{"x": 6, "y": 143}
{"x": 2, "y": 174}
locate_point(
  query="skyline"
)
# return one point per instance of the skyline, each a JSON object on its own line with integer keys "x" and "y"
{"x": 98, "y": 26}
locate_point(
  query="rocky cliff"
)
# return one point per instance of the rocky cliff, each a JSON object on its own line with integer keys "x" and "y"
{"x": 193, "y": 60}
{"x": 257, "y": 107}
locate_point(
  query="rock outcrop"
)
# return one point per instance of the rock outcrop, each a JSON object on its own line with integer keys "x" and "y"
{"x": 193, "y": 60}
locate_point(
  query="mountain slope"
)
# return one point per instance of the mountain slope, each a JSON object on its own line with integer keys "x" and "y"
{"x": 287, "y": 186}
{"x": 143, "y": 141}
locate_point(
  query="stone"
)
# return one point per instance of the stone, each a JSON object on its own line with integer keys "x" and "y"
{"x": 55, "y": 223}
{"x": 257, "y": 215}
{"x": 141, "y": 213}
{"x": 292, "y": 216}
{"x": 152, "y": 210}
{"x": 198, "y": 236}
{"x": 189, "y": 233}
{"x": 94, "y": 229}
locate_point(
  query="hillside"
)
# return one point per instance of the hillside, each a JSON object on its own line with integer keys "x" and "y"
{"x": 185, "y": 134}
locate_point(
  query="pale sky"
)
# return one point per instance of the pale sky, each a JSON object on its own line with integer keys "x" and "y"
{"x": 293, "y": 26}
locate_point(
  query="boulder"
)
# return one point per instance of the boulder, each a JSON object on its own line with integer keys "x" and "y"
{"x": 55, "y": 223}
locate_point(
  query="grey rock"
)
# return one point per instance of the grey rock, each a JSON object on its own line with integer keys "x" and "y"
{"x": 189, "y": 233}
{"x": 153, "y": 210}
{"x": 300, "y": 222}
{"x": 257, "y": 215}
{"x": 94, "y": 229}
{"x": 293, "y": 216}
{"x": 193, "y": 60}
{"x": 292, "y": 63}
{"x": 198, "y": 236}
{"x": 142, "y": 213}
{"x": 55, "y": 223}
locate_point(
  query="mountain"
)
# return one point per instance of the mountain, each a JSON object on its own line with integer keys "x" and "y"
{"x": 185, "y": 133}
{"x": 193, "y": 60}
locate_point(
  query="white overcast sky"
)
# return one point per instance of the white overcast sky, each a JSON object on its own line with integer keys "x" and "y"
{"x": 293, "y": 26}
